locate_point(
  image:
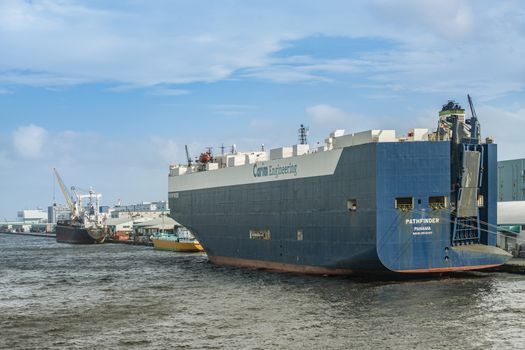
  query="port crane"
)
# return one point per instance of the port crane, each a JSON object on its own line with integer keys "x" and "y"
{"x": 67, "y": 196}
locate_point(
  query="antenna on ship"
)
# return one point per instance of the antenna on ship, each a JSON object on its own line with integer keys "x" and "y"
{"x": 222, "y": 149}
{"x": 303, "y": 134}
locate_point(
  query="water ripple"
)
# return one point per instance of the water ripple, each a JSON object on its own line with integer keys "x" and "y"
{"x": 128, "y": 297}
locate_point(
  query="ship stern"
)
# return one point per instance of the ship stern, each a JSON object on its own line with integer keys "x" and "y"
{"x": 429, "y": 220}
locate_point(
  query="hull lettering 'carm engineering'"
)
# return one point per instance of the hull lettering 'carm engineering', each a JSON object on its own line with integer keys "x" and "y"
{"x": 368, "y": 201}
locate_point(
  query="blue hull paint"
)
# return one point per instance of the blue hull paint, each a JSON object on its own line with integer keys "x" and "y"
{"x": 376, "y": 236}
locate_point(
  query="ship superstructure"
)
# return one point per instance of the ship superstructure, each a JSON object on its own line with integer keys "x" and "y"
{"x": 365, "y": 201}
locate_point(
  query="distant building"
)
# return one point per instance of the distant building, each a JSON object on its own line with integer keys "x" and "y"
{"x": 144, "y": 206}
{"x": 511, "y": 226}
{"x": 120, "y": 224}
{"x": 57, "y": 212}
{"x": 163, "y": 224}
{"x": 511, "y": 180}
{"x": 31, "y": 216}
{"x": 144, "y": 209}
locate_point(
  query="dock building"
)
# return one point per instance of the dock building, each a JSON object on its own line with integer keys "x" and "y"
{"x": 144, "y": 209}
{"x": 511, "y": 180}
{"x": 32, "y": 216}
{"x": 511, "y": 206}
{"x": 57, "y": 212}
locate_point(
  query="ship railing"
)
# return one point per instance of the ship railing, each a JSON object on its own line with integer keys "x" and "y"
{"x": 405, "y": 207}
{"x": 466, "y": 231}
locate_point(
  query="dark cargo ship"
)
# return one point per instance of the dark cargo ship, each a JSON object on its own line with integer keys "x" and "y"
{"x": 367, "y": 201}
{"x": 85, "y": 225}
{"x": 75, "y": 233}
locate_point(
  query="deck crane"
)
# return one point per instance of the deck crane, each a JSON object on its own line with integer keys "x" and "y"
{"x": 188, "y": 155}
{"x": 72, "y": 206}
{"x": 473, "y": 122}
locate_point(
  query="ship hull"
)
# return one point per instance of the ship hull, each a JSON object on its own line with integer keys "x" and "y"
{"x": 172, "y": 245}
{"x": 303, "y": 223}
{"x": 66, "y": 233}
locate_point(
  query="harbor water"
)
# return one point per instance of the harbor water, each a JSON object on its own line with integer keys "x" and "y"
{"x": 128, "y": 297}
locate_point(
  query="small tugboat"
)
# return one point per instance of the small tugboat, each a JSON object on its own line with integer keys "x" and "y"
{"x": 180, "y": 241}
{"x": 86, "y": 224}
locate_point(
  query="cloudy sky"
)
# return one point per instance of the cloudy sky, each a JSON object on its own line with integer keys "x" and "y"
{"x": 109, "y": 92}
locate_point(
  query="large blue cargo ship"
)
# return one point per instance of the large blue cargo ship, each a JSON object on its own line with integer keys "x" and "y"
{"x": 366, "y": 201}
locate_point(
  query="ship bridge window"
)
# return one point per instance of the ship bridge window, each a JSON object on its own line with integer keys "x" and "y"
{"x": 351, "y": 205}
{"x": 404, "y": 203}
{"x": 481, "y": 201}
{"x": 438, "y": 202}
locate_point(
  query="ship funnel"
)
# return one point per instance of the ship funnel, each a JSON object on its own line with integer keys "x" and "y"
{"x": 451, "y": 125}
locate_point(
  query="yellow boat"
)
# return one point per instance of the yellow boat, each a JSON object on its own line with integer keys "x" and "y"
{"x": 175, "y": 243}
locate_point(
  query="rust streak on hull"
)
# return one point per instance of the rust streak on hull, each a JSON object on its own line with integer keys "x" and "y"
{"x": 449, "y": 269}
{"x": 260, "y": 264}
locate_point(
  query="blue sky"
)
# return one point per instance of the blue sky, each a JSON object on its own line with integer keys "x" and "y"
{"x": 109, "y": 92}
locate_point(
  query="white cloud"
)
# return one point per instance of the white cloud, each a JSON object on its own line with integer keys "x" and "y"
{"x": 29, "y": 140}
{"x": 169, "y": 92}
{"x": 282, "y": 74}
{"x": 506, "y": 126}
{"x": 326, "y": 114}
{"x": 39, "y": 79}
{"x": 448, "y": 19}
{"x": 326, "y": 118}
{"x": 168, "y": 149}
{"x": 437, "y": 46}
{"x": 306, "y": 69}
{"x": 145, "y": 47}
